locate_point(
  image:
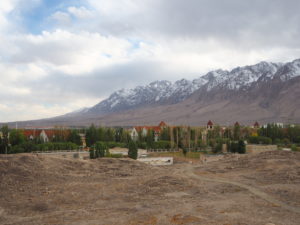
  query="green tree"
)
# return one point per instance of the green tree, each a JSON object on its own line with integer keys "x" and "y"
{"x": 241, "y": 147}
{"x": 101, "y": 149}
{"x": 16, "y": 137}
{"x": 74, "y": 137}
{"x": 165, "y": 134}
{"x": 236, "y": 132}
{"x": 92, "y": 153}
{"x": 150, "y": 138}
{"x": 5, "y": 140}
{"x": 91, "y": 135}
{"x": 132, "y": 150}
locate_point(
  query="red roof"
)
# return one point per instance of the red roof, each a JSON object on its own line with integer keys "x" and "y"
{"x": 236, "y": 124}
{"x": 154, "y": 128}
{"x": 162, "y": 124}
{"x": 33, "y": 133}
{"x": 256, "y": 124}
{"x": 209, "y": 123}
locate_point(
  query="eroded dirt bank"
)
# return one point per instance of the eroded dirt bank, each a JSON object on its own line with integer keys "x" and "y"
{"x": 48, "y": 190}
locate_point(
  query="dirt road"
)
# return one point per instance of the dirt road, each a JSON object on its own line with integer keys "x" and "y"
{"x": 189, "y": 171}
{"x": 249, "y": 190}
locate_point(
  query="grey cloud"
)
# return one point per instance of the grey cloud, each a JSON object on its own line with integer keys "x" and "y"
{"x": 60, "y": 88}
{"x": 268, "y": 22}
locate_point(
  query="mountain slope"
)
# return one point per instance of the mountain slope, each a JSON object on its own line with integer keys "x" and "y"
{"x": 165, "y": 92}
{"x": 265, "y": 92}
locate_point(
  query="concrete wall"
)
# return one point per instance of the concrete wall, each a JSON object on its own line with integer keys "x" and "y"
{"x": 157, "y": 161}
{"x": 260, "y": 148}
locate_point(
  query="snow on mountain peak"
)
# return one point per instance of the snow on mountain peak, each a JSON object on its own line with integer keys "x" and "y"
{"x": 162, "y": 91}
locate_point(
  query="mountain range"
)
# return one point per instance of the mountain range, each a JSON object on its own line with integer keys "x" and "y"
{"x": 264, "y": 92}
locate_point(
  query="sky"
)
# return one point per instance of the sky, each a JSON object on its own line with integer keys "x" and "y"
{"x": 57, "y": 56}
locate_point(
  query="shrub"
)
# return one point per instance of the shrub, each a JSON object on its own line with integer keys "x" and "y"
{"x": 162, "y": 145}
{"x": 92, "y": 153}
{"x": 132, "y": 150}
{"x": 101, "y": 149}
{"x": 260, "y": 140}
{"x": 241, "y": 147}
{"x": 115, "y": 155}
{"x": 142, "y": 145}
{"x": 294, "y": 148}
{"x": 112, "y": 144}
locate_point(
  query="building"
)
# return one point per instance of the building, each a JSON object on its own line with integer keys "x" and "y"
{"x": 256, "y": 125}
{"x": 143, "y": 131}
{"x": 134, "y": 134}
{"x": 42, "y": 134}
{"x": 210, "y": 125}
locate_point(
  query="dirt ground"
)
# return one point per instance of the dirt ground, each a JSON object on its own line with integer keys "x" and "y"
{"x": 234, "y": 190}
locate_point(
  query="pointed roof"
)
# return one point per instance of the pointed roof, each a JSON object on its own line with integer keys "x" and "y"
{"x": 209, "y": 123}
{"x": 162, "y": 124}
{"x": 236, "y": 124}
{"x": 33, "y": 133}
{"x": 256, "y": 124}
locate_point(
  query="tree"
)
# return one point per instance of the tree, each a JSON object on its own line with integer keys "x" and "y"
{"x": 132, "y": 150}
{"x": 241, "y": 147}
{"x": 16, "y": 137}
{"x": 101, "y": 149}
{"x": 75, "y": 137}
{"x": 165, "y": 134}
{"x": 236, "y": 132}
{"x": 5, "y": 140}
{"x": 91, "y": 135}
{"x": 150, "y": 138}
{"x": 92, "y": 153}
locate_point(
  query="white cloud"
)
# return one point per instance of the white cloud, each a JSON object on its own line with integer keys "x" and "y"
{"x": 71, "y": 53}
{"x": 80, "y": 12}
{"x": 61, "y": 18}
{"x": 91, "y": 50}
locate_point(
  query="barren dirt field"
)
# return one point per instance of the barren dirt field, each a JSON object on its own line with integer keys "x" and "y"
{"x": 235, "y": 190}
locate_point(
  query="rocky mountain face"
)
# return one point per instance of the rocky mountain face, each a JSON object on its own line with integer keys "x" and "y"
{"x": 265, "y": 92}
{"x": 166, "y": 92}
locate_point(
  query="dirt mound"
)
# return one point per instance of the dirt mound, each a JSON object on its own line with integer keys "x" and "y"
{"x": 38, "y": 189}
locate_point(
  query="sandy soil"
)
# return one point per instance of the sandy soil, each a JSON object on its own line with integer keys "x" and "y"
{"x": 235, "y": 190}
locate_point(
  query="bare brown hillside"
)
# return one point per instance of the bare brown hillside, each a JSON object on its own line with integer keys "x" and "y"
{"x": 249, "y": 189}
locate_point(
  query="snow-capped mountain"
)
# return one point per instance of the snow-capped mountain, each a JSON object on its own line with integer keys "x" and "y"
{"x": 265, "y": 92}
{"x": 166, "y": 92}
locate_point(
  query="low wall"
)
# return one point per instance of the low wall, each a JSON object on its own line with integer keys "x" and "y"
{"x": 157, "y": 161}
{"x": 260, "y": 148}
{"x": 66, "y": 154}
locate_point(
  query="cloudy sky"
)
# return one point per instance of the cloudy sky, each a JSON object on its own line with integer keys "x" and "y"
{"x": 57, "y": 56}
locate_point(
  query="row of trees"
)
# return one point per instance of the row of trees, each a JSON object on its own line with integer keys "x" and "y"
{"x": 95, "y": 134}
{"x": 14, "y": 141}
{"x": 100, "y": 150}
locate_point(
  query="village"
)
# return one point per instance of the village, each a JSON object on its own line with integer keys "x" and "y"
{"x": 211, "y": 139}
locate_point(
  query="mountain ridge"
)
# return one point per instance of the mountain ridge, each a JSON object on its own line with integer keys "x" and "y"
{"x": 166, "y": 92}
{"x": 264, "y": 92}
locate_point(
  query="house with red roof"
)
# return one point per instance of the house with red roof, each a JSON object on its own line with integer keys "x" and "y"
{"x": 42, "y": 134}
{"x": 210, "y": 125}
{"x": 143, "y": 131}
{"x": 256, "y": 125}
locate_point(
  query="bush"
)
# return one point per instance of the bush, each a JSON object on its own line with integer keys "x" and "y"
{"x": 260, "y": 140}
{"x": 241, "y": 147}
{"x": 132, "y": 150}
{"x": 142, "y": 145}
{"x": 31, "y": 147}
{"x": 294, "y": 148}
{"x": 162, "y": 145}
{"x": 115, "y": 156}
{"x": 92, "y": 153}
{"x": 112, "y": 144}
{"x": 101, "y": 149}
